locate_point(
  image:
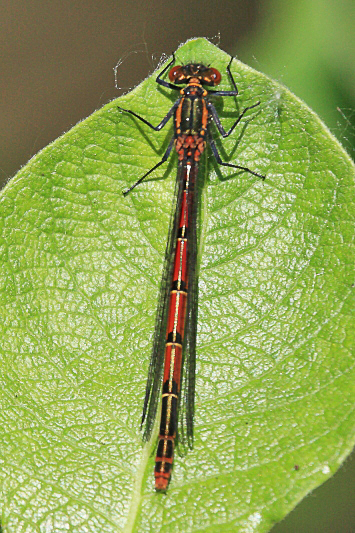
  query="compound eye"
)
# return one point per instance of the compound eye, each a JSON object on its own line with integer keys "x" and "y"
{"x": 215, "y": 76}
{"x": 175, "y": 73}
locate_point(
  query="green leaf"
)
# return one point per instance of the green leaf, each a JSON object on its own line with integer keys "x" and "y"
{"x": 79, "y": 278}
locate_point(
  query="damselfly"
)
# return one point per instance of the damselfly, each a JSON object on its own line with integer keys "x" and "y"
{"x": 176, "y": 319}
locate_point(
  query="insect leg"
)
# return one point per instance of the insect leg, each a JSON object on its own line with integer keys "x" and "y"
{"x": 164, "y": 158}
{"x": 220, "y": 162}
{"x": 218, "y": 123}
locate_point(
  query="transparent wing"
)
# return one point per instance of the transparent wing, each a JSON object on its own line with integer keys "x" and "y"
{"x": 153, "y": 387}
{"x": 189, "y": 348}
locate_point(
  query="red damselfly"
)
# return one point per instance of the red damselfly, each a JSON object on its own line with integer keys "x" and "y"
{"x": 174, "y": 345}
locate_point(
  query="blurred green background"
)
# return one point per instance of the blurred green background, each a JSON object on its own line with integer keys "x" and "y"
{"x": 56, "y": 68}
